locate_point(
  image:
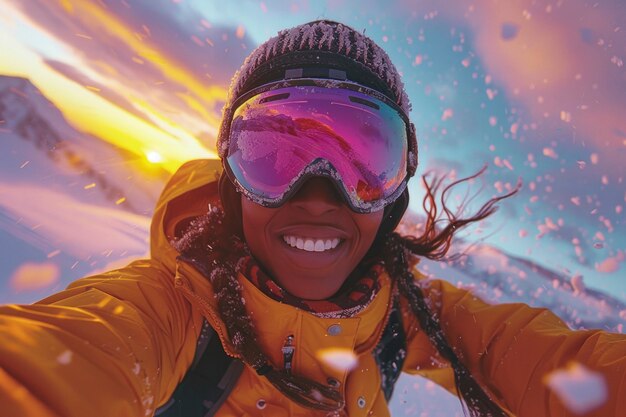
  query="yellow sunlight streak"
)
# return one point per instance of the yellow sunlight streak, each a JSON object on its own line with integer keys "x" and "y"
{"x": 92, "y": 114}
{"x": 67, "y": 6}
{"x": 168, "y": 125}
{"x": 201, "y": 109}
{"x": 112, "y": 25}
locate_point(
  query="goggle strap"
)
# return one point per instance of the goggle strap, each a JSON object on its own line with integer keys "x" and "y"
{"x": 316, "y": 72}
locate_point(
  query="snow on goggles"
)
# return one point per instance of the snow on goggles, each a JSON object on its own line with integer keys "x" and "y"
{"x": 283, "y": 133}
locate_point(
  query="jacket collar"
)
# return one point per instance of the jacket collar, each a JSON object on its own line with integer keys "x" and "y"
{"x": 275, "y": 321}
{"x": 187, "y": 195}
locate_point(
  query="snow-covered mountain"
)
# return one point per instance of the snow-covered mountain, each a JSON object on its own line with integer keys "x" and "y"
{"x": 499, "y": 277}
{"x": 38, "y": 145}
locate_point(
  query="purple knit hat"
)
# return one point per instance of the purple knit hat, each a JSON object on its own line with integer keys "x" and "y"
{"x": 314, "y": 44}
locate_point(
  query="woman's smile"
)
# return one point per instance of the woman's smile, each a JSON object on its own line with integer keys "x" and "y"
{"x": 304, "y": 255}
{"x": 310, "y": 244}
{"x": 313, "y": 237}
{"x": 311, "y": 252}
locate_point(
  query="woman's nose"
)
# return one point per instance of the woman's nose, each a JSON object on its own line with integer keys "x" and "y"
{"x": 317, "y": 196}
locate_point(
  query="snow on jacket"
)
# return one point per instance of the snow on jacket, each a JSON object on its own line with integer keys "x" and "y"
{"x": 118, "y": 343}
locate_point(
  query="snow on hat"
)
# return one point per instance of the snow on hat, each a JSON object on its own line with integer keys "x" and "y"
{"x": 314, "y": 44}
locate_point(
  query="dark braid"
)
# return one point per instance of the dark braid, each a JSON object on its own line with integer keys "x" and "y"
{"x": 395, "y": 258}
{"x": 219, "y": 255}
{"x": 434, "y": 243}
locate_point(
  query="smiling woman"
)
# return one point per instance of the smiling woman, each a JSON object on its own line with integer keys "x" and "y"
{"x": 277, "y": 285}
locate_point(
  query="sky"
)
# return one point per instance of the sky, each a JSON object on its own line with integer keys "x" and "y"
{"x": 535, "y": 90}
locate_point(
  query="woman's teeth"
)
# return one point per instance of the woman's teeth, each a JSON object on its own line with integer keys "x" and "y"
{"x": 310, "y": 244}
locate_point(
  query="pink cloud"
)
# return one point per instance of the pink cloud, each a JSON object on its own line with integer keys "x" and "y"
{"x": 560, "y": 63}
{"x": 175, "y": 64}
{"x": 557, "y": 62}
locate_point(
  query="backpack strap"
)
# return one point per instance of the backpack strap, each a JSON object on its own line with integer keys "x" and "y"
{"x": 210, "y": 378}
{"x": 391, "y": 351}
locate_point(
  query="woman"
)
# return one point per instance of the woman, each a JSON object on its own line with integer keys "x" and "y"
{"x": 243, "y": 309}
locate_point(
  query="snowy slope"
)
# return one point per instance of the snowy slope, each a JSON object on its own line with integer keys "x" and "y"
{"x": 37, "y": 145}
{"x": 501, "y": 278}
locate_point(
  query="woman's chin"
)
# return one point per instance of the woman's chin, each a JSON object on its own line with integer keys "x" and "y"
{"x": 312, "y": 275}
{"x": 310, "y": 288}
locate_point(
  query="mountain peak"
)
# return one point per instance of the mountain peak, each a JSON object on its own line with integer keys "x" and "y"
{"x": 18, "y": 85}
{"x": 32, "y": 125}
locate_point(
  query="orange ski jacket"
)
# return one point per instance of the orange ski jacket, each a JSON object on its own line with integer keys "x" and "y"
{"x": 118, "y": 343}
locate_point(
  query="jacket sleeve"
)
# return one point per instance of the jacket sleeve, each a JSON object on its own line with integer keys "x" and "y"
{"x": 512, "y": 348}
{"x": 115, "y": 344}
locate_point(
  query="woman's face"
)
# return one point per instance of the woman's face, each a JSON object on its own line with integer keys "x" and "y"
{"x": 313, "y": 242}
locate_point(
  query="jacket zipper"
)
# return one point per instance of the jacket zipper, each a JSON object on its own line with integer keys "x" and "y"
{"x": 288, "y": 350}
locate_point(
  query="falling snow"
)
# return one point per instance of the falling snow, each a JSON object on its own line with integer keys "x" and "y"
{"x": 580, "y": 389}
{"x": 65, "y": 358}
{"x": 541, "y": 119}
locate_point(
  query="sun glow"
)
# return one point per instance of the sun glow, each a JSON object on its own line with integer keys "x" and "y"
{"x": 154, "y": 157}
{"x": 172, "y": 141}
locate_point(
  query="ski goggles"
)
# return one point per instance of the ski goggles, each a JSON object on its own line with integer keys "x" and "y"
{"x": 284, "y": 133}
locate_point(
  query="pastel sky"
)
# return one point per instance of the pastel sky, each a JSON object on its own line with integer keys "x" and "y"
{"x": 535, "y": 89}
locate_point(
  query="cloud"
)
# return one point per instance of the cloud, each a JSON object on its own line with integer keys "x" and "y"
{"x": 104, "y": 91}
{"x": 561, "y": 62}
{"x": 210, "y": 51}
{"x": 160, "y": 57}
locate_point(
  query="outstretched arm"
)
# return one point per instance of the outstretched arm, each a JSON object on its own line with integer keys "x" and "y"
{"x": 115, "y": 344}
{"x": 511, "y": 348}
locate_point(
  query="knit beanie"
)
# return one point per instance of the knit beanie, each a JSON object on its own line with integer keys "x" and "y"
{"x": 317, "y": 44}
{"x": 317, "y": 48}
